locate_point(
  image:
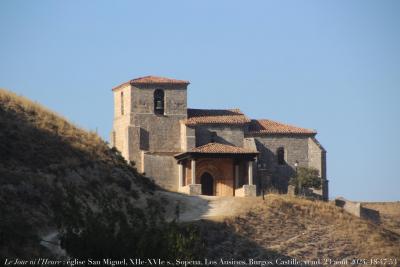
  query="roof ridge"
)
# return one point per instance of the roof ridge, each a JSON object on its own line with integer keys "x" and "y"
{"x": 142, "y": 77}
{"x": 214, "y": 147}
{"x": 216, "y": 116}
{"x": 152, "y": 79}
{"x": 279, "y": 122}
{"x": 230, "y": 109}
{"x": 216, "y": 143}
{"x": 276, "y": 127}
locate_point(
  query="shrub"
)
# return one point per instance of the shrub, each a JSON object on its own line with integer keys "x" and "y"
{"x": 306, "y": 177}
{"x": 111, "y": 232}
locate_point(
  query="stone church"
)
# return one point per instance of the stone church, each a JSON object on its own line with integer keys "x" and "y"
{"x": 217, "y": 152}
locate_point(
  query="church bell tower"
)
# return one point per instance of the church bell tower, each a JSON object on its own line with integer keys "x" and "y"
{"x": 147, "y": 115}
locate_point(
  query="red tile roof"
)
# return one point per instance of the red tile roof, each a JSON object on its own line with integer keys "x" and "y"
{"x": 217, "y": 148}
{"x": 151, "y": 80}
{"x": 273, "y": 127}
{"x": 215, "y": 116}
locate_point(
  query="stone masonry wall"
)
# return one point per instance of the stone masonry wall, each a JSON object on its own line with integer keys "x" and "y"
{"x": 162, "y": 169}
{"x": 357, "y": 209}
{"x": 273, "y": 174}
{"x": 188, "y": 137}
{"x": 226, "y": 134}
{"x": 175, "y": 99}
{"x": 316, "y": 156}
{"x": 160, "y": 132}
{"x": 121, "y": 121}
{"x": 317, "y": 160}
{"x": 132, "y": 139}
{"x": 296, "y": 149}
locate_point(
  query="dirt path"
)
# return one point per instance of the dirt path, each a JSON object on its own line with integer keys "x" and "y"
{"x": 193, "y": 208}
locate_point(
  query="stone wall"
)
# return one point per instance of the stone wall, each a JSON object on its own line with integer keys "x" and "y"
{"x": 246, "y": 191}
{"x": 132, "y": 147}
{"x": 175, "y": 99}
{"x": 272, "y": 174}
{"x": 317, "y": 160}
{"x": 303, "y": 149}
{"x": 316, "y": 155}
{"x": 357, "y": 209}
{"x": 187, "y": 172}
{"x": 163, "y": 132}
{"x": 225, "y": 134}
{"x": 126, "y": 90}
{"x": 188, "y": 137}
{"x": 191, "y": 189}
{"x": 162, "y": 169}
{"x": 121, "y": 121}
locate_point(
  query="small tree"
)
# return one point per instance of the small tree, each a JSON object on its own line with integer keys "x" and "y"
{"x": 305, "y": 178}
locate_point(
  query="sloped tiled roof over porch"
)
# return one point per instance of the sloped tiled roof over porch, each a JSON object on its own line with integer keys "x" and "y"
{"x": 217, "y": 149}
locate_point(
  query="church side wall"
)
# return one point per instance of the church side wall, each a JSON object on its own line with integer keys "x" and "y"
{"x": 162, "y": 169}
{"x": 270, "y": 173}
{"x": 295, "y": 147}
{"x": 226, "y": 134}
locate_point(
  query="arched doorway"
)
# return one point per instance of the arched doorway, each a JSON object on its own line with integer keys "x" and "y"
{"x": 207, "y": 184}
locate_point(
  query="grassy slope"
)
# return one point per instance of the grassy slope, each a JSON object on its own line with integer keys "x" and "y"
{"x": 44, "y": 159}
{"x": 389, "y": 212}
{"x": 284, "y": 226}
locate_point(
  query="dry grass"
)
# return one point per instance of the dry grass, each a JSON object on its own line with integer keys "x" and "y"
{"x": 389, "y": 212}
{"x": 42, "y": 118}
{"x": 305, "y": 229}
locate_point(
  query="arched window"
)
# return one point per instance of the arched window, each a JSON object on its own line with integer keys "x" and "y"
{"x": 122, "y": 103}
{"x": 280, "y": 153}
{"x": 159, "y": 102}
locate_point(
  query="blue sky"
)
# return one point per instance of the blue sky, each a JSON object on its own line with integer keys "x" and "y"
{"x": 329, "y": 65}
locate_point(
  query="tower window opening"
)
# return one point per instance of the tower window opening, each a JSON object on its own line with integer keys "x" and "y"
{"x": 159, "y": 102}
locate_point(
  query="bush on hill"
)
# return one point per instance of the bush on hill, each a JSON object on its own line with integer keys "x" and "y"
{"x": 306, "y": 178}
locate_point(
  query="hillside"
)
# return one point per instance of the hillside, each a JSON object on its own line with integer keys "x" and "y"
{"x": 53, "y": 174}
{"x": 389, "y": 212}
{"x": 288, "y": 227}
